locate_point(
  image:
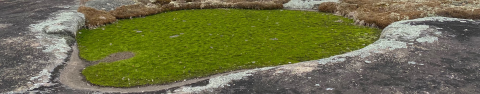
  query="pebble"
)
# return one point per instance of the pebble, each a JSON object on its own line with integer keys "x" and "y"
{"x": 329, "y": 88}
{"x": 368, "y": 61}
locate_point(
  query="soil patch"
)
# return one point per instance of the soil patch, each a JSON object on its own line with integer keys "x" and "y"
{"x": 4, "y": 25}
{"x": 112, "y": 58}
{"x": 117, "y": 57}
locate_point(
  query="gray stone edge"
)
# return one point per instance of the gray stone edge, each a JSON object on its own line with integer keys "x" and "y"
{"x": 55, "y": 35}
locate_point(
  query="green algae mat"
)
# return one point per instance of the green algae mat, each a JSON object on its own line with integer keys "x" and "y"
{"x": 188, "y": 44}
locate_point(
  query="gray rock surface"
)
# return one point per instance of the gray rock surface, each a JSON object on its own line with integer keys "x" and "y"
{"x": 55, "y": 35}
{"x": 25, "y": 61}
{"x": 108, "y": 5}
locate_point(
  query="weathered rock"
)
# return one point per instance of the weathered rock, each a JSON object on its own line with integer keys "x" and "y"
{"x": 22, "y": 57}
{"x": 65, "y": 24}
{"x": 55, "y": 36}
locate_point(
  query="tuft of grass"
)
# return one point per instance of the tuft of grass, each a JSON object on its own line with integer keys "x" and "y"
{"x": 258, "y": 5}
{"x": 329, "y": 7}
{"x": 188, "y": 44}
{"x": 460, "y": 13}
{"x": 96, "y": 17}
{"x": 136, "y": 10}
{"x": 144, "y": 1}
{"x": 162, "y": 2}
{"x": 263, "y": 1}
{"x": 383, "y": 12}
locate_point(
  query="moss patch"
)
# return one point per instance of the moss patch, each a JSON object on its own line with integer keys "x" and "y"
{"x": 186, "y": 44}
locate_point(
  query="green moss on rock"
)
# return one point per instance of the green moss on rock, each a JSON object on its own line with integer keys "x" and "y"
{"x": 186, "y": 44}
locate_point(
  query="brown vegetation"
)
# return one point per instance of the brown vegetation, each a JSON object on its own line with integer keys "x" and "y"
{"x": 96, "y": 17}
{"x": 144, "y": 1}
{"x": 162, "y": 2}
{"x": 381, "y": 13}
{"x": 258, "y": 5}
{"x": 136, "y": 10}
{"x": 460, "y": 13}
{"x": 382, "y": 20}
{"x": 185, "y": 6}
{"x": 329, "y": 7}
{"x": 181, "y": 6}
{"x": 263, "y": 1}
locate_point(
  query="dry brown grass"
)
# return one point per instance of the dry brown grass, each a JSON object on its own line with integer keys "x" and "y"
{"x": 329, "y": 7}
{"x": 96, "y": 17}
{"x": 186, "y": 6}
{"x": 383, "y": 19}
{"x": 384, "y": 12}
{"x": 346, "y": 9}
{"x": 216, "y": 5}
{"x": 263, "y": 1}
{"x": 379, "y": 19}
{"x": 258, "y": 5}
{"x": 460, "y": 13}
{"x": 144, "y": 1}
{"x": 192, "y": 0}
{"x": 181, "y": 6}
{"x": 130, "y": 11}
{"x": 359, "y": 2}
{"x": 167, "y": 7}
{"x": 162, "y": 2}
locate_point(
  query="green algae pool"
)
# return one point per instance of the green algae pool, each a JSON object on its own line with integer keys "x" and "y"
{"x": 187, "y": 44}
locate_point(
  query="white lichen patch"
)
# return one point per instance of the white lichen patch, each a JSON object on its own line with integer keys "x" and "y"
{"x": 297, "y": 68}
{"x": 331, "y": 59}
{"x": 65, "y": 22}
{"x": 51, "y": 35}
{"x": 56, "y": 44}
{"x": 428, "y": 39}
{"x": 380, "y": 46}
{"x": 395, "y": 36}
{"x": 218, "y": 82}
{"x": 412, "y": 62}
{"x": 403, "y": 31}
